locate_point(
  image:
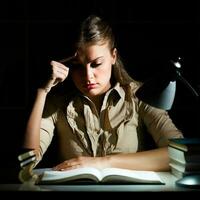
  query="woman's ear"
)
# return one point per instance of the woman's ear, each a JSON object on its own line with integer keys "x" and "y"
{"x": 114, "y": 56}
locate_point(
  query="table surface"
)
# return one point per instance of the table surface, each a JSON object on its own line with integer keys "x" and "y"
{"x": 167, "y": 177}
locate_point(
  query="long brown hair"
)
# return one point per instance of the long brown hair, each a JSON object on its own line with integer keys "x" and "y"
{"x": 95, "y": 30}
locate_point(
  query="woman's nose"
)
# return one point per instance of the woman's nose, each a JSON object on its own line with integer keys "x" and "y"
{"x": 88, "y": 72}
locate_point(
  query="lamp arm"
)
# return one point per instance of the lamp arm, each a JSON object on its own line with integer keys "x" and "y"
{"x": 181, "y": 78}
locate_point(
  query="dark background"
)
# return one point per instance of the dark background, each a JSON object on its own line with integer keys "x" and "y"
{"x": 148, "y": 33}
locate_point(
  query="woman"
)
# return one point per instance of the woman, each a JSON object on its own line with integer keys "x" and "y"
{"x": 99, "y": 121}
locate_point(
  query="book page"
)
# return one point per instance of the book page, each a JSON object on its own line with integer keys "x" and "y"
{"x": 133, "y": 176}
{"x": 52, "y": 176}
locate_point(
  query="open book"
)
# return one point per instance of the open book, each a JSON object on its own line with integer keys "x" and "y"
{"x": 108, "y": 175}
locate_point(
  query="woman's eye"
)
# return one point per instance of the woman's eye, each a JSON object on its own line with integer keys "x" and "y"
{"x": 94, "y": 65}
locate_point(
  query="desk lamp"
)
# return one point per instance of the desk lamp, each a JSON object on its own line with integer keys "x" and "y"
{"x": 159, "y": 92}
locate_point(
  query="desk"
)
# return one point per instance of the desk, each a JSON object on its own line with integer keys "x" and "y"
{"x": 167, "y": 177}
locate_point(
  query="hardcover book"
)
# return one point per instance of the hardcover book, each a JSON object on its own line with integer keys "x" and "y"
{"x": 182, "y": 156}
{"x": 180, "y": 174}
{"x": 186, "y": 144}
{"x": 185, "y": 168}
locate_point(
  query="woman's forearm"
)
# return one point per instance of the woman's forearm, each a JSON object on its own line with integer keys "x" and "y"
{"x": 153, "y": 160}
{"x": 32, "y": 133}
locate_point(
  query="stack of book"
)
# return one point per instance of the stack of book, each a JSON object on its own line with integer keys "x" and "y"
{"x": 27, "y": 162}
{"x": 184, "y": 155}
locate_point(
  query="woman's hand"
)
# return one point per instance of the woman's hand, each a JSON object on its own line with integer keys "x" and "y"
{"x": 59, "y": 74}
{"x": 97, "y": 162}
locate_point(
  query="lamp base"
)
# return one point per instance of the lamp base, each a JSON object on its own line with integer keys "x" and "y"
{"x": 189, "y": 181}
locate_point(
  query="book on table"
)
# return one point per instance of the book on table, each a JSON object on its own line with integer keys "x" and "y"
{"x": 26, "y": 155}
{"x": 93, "y": 175}
{"x": 183, "y": 156}
{"x": 180, "y": 174}
{"x": 181, "y": 169}
{"x": 185, "y": 167}
{"x": 186, "y": 144}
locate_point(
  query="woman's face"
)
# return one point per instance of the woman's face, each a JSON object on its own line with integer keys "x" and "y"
{"x": 92, "y": 74}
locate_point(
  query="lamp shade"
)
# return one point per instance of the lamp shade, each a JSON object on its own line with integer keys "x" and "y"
{"x": 160, "y": 90}
{"x": 158, "y": 93}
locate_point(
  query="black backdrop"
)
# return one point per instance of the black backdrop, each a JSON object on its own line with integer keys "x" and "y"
{"x": 148, "y": 34}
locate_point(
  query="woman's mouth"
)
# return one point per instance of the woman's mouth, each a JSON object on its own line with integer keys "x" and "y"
{"x": 91, "y": 86}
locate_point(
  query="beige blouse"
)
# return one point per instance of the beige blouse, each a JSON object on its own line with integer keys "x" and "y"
{"x": 124, "y": 124}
